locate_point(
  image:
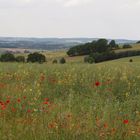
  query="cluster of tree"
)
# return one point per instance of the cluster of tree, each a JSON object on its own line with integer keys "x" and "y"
{"x": 138, "y": 42}
{"x": 61, "y": 61}
{"x": 33, "y": 57}
{"x": 98, "y": 46}
{"x": 111, "y": 55}
{"x": 126, "y": 46}
{"x": 36, "y": 57}
{"x": 9, "y": 57}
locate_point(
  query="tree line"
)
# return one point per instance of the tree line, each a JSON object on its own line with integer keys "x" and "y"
{"x": 101, "y": 50}
{"x": 99, "y": 46}
{"x": 32, "y": 57}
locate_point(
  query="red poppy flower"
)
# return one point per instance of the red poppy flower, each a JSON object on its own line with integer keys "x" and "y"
{"x": 105, "y": 125}
{"x": 125, "y": 121}
{"x": 19, "y": 100}
{"x": 46, "y": 103}
{"x": 13, "y": 109}
{"x": 97, "y": 83}
{"x": 1, "y": 102}
{"x": 29, "y": 111}
{"x": 3, "y": 107}
{"x": 7, "y": 101}
{"x": 24, "y": 97}
{"x": 46, "y": 99}
{"x": 42, "y": 77}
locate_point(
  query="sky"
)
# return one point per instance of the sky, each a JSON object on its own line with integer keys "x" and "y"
{"x": 70, "y": 18}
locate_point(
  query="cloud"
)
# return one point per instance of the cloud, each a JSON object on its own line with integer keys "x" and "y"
{"x": 70, "y": 3}
{"x": 15, "y": 3}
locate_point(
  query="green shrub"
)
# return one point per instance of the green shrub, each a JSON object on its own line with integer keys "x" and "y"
{"x": 125, "y": 46}
{"x": 20, "y": 59}
{"x": 7, "y": 57}
{"x": 89, "y": 59}
{"x": 36, "y": 57}
{"x": 62, "y": 60}
{"x": 54, "y": 61}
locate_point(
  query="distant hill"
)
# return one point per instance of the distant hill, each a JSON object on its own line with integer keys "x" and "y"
{"x": 48, "y": 43}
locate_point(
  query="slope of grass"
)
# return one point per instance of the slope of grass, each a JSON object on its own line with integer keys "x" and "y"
{"x": 70, "y": 101}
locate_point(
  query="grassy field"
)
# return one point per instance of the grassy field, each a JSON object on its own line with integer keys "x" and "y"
{"x": 71, "y": 101}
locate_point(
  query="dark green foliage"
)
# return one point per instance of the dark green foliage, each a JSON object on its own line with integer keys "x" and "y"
{"x": 131, "y": 60}
{"x": 83, "y": 49}
{"x": 113, "y": 44}
{"x": 20, "y": 59}
{"x": 100, "y": 57}
{"x": 89, "y": 59}
{"x": 138, "y": 42}
{"x": 54, "y": 61}
{"x": 36, "y": 57}
{"x": 62, "y": 60}
{"x": 7, "y": 57}
{"x": 100, "y": 46}
{"x": 110, "y": 55}
{"x": 125, "y": 46}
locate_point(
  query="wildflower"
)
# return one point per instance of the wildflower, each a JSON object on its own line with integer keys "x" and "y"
{"x": 7, "y": 101}
{"x": 125, "y": 121}
{"x": 13, "y": 109}
{"x": 29, "y": 111}
{"x": 46, "y": 99}
{"x": 18, "y": 100}
{"x": 3, "y": 107}
{"x": 42, "y": 77}
{"x": 24, "y": 97}
{"x": 97, "y": 83}
{"x": 46, "y": 103}
{"x": 105, "y": 125}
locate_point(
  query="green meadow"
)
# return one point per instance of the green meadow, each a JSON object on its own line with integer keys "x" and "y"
{"x": 72, "y": 101}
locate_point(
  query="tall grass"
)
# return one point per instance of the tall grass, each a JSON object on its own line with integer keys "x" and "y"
{"x": 70, "y": 101}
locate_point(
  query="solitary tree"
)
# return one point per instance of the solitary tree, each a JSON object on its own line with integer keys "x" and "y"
{"x": 54, "y": 61}
{"x": 36, "y": 57}
{"x": 101, "y": 46}
{"x": 62, "y": 60}
{"x": 20, "y": 59}
{"x": 7, "y": 57}
{"x": 112, "y": 44}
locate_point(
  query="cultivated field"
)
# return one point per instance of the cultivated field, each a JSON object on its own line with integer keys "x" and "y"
{"x": 71, "y": 101}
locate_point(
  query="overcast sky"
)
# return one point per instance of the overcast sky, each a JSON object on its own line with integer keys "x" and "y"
{"x": 70, "y": 18}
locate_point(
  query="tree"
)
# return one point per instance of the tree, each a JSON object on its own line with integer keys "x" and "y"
{"x": 62, "y": 60}
{"x": 20, "y": 59}
{"x": 112, "y": 44}
{"x": 125, "y": 46}
{"x": 101, "y": 46}
{"x": 7, "y": 57}
{"x": 54, "y": 61}
{"x": 89, "y": 59}
{"x": 36, "y": 57}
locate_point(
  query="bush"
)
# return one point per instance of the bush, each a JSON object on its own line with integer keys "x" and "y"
{"x": 7, "y": 57}
{"x": 125, "y": 46}
{"x": 89, "y": 59}
{"x": 36, "y": 57}
{"x": 131, "y": 60}
{"x": 110, "y": 55}
{"x": 138, "y": 42}
{"x": 20, "y": 59}
{"x": 62, "y": 60}
{"x": 54, "y": 61}
{"x": 99, "y": 46}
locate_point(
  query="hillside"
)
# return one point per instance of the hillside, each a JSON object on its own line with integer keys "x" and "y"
{"x": 71, "y": 101}
{"x": 48, "y": 43}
